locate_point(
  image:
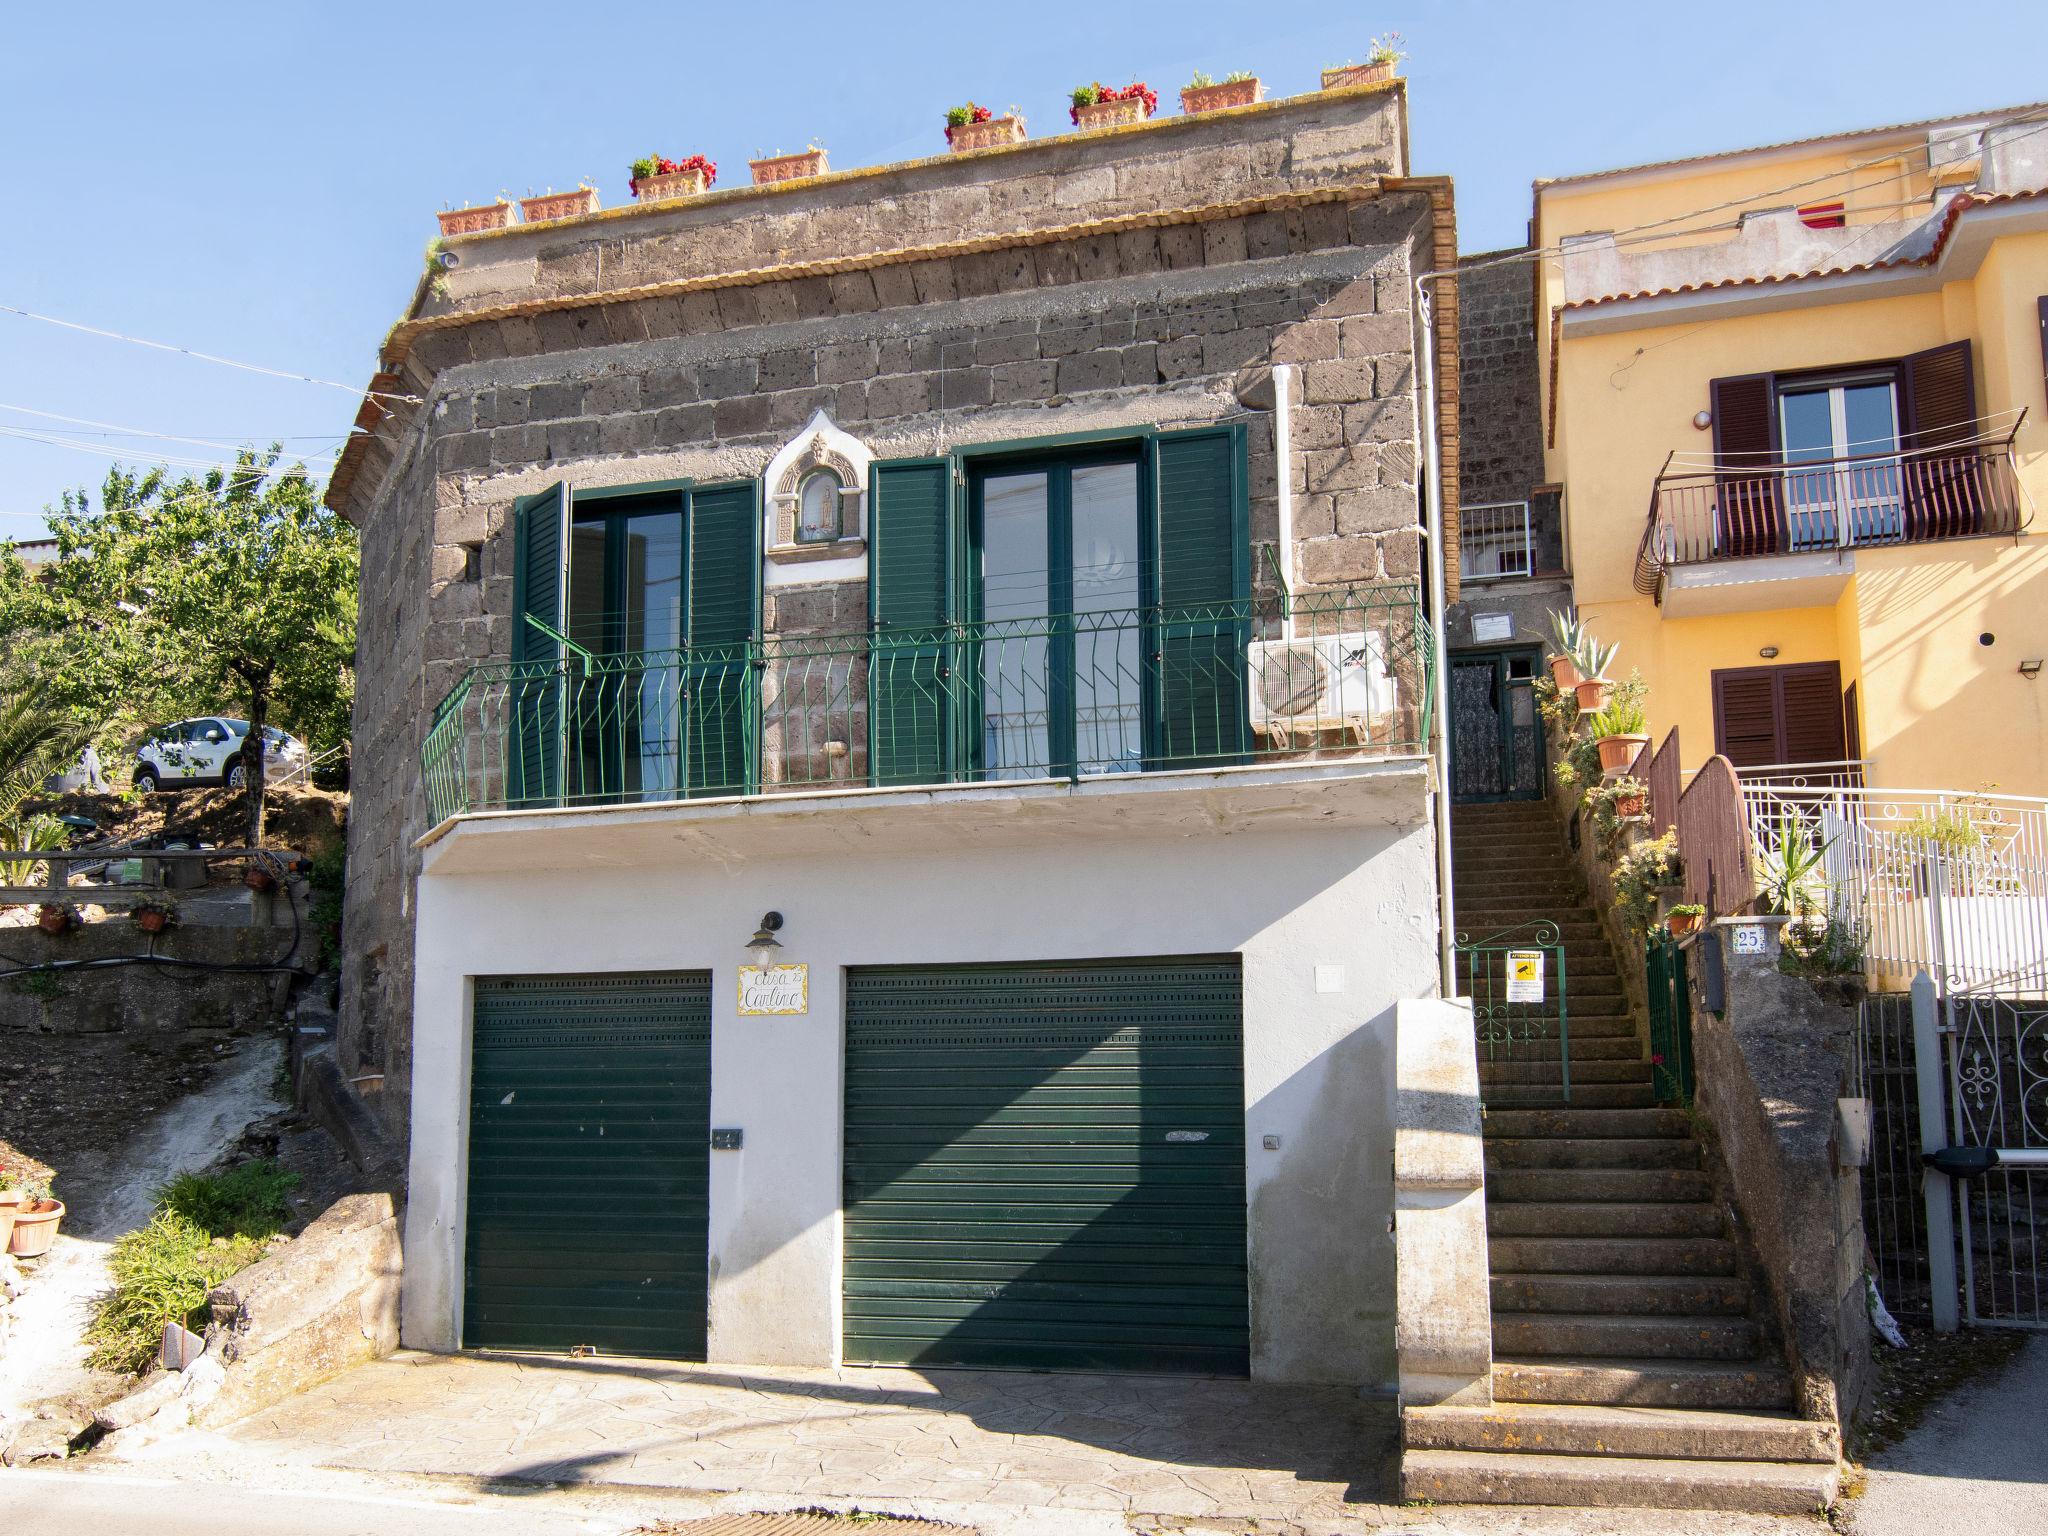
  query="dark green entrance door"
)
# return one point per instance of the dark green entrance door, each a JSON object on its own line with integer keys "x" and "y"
{"x": 589, "y": 1132}
{"x": 1045, "y": 1166}
{"x": 1496, "y": 737}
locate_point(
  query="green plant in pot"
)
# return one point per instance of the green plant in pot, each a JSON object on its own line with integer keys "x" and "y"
{"x": 35, "y": 1223}
{"x": 1567, "y": 634}
{"x": 154, "y": 915}
{"x": 1790, "y": 868}
{"x": 1594, "y": 661}
{"x": 1685, "y": 919}
{"x": 1620, "y": 729}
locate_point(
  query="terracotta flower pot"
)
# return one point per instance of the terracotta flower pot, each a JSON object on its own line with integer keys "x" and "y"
{"x": 1225, "y": 93}
{"x": 558, "y": 205}
{"x": 151, "y": 919}
{"x": 258, "y": 879}
{"x": 996, "y": 132}
{"x": 53, "y": 920}
{"x": 1618, "y": 751}
{"x": 1565, "y": 673}
{"x": 1682, "y": 923}
{"x": 810, "y": 162}
{"x": 6, "y": 1226}
{"x": 35, "y": 1228}
{"x": 1593, "y": 693}
{"x": 468, "y": 221}
{"x": 1631, "y": 805}
{"x": 1357, "y": 74}
{"x": 662, "y": 189}
{"x": 1109, "y": 114}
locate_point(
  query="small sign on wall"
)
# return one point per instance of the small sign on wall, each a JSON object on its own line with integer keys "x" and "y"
{"x": 1525, "y": 975}
{"x": 1491, "y": 628}
{"x": 775, "y": 989}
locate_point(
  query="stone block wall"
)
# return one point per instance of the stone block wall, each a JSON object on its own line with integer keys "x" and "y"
{"x": 1500, "y": 420}
{"x": 1172, "y": 319}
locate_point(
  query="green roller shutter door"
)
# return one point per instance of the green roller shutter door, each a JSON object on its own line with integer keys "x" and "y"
{"x": 1045, "y": 1166}
{"x": 589, "y": 1131}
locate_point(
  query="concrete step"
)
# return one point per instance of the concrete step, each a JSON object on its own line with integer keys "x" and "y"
{"x": 1598, "y": 1336}
{"x": 1609, "y": 1482}
{"x": 1558, "y": 1152}
{"x": 1537, "y": 1254}
{"x": 1582, "y": 1095}
{"x": 1514, "y": 1065}
{"x": 1623, "y": 1295}
{"x": 1602, "y": 1218}
{"x": 1504, "y": 888}
{"x": 1477, "y": 923}
{"x": 1598, "y": 1023}
{"x": 1585, "y": 1048}
{"x": 1644, "y": 1383}
{"x": 1574, "y": 1429}
{"x": 1583, "y": 1184}
{"x": 1633, "y": 1123}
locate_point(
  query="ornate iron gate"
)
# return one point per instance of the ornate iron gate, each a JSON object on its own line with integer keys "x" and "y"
{"x": 1998, "y": 1083}
{"x": 1522, "y": 1020}
{"x": 1496, "y": 738}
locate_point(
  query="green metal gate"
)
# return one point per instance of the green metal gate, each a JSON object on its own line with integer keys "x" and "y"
{"x": 1045, "y": 1166}
{"x": 1664, "y": 976}
{"x": 1521, "y": 1010}
{"x": 589, "y": 1131}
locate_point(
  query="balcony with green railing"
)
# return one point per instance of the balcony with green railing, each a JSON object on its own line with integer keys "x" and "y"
{"x": 1336, "y": 674}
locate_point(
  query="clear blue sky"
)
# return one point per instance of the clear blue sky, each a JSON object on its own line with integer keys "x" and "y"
{"x": 259, "y": 180}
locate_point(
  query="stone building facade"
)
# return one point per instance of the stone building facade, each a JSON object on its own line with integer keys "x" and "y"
{"x": 1087, "y": 294}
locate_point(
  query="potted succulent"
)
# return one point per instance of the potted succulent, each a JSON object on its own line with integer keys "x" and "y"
{"x": 154, "y": 915}
{"x": 468, "y": 221}
{"x": 1380, "y": 59}
{"x": 656, "y": 178}
{"x": 551, "y": 205}
{"x": 35, "y": 1223}
{"x": 1620, "y": 730}
{"x": 780, "y": 167}
{"x": 259, "y": 879}
{"x": 1238, "y": 89}
{"x": 973, "y": 126}
{"x": 1682, "y": 920}
{"x": 55, "y": 917}
{"x": 1631, "y": 798}
{"x": 1593, "y": 693}
{"x": 1568, "y": 635}
{"x": 1105, "y": 106}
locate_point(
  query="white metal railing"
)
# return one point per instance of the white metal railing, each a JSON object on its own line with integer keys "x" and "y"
{"x": 1495, "y": 541}
{"x": 1952, "y": 881}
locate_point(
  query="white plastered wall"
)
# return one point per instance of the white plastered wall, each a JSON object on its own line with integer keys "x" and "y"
{"x": 1294, "y": 899}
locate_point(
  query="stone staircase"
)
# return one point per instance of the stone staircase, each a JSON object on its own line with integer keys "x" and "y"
{"x": 1632, "y": 1364}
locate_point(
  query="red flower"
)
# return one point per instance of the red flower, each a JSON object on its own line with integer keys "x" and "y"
{"x": 1137, "y": 90}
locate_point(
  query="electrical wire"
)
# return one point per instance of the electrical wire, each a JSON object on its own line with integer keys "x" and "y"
{"x": 172, "y": 461}
{"x": 204, "y": 357}
{"x": 114, "y": 429}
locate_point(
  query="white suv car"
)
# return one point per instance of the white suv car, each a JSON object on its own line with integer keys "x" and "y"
{"x": 208, "y": 751}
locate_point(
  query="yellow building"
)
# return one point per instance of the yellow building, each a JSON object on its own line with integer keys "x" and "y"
{"x": 1794, "y": 396}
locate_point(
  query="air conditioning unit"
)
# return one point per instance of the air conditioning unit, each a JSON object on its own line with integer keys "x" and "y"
{"x": 1322, "y": 683}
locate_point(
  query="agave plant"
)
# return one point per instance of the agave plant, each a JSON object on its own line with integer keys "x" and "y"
{"x": 1567, "y": 634}
{"x": 1789, "y": 865}
{"x": 1592, "y": 657}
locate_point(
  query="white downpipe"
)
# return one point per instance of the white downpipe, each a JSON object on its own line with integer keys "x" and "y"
{"x": 1283, "y": 470}
{"x": 1441, "y": 704}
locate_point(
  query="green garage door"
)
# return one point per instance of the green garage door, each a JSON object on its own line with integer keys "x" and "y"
{"x": 589, "y": 1131}
{"x": 1045, "y": 1166}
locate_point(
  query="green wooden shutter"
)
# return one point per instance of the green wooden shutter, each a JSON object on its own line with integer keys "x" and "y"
{"x": 911, "y": 551}
{"x": 1204, "y": 573}
{"x": 723, "y": 612}
{"x": 535, "y": 712}
{"x": 589, "y": 1164}
{"x": 1045, "y": 1166}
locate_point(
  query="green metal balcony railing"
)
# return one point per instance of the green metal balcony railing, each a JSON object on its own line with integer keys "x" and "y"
{"x": 1342, "y": 672}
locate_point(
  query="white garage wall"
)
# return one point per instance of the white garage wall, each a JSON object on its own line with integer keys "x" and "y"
{"x": 1318, "y": 1067}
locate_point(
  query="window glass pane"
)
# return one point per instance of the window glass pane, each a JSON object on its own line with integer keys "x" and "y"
{"x": 1807, "y": 429}
{"x": 1107, "y": 687}
{"x": 1871, "y": 484}
{"x": 1807, "y": 426}
{"x": 1015, "y": 598}
{"x": 1867, "y": 414}
{"x": 587, "y": 594}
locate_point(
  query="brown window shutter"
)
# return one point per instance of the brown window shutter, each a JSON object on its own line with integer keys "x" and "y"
{"x": 1938, "y": 408}
{"x": 1746, "y": 716}
{"x": 2043, "y": 303}
{"x": 1852, "y": 725}
{"x": 1745, "y": 414}
{"x": 1810, "y": 713}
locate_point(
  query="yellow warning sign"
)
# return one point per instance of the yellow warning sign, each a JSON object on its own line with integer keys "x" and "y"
{"x": 1525, "y": 975}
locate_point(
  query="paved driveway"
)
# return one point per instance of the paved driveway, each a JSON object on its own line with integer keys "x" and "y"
{"x": 1978, "y": 1462}
{"x": 1149, "y": 1445}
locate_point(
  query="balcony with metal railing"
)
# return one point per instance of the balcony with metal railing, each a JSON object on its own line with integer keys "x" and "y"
{"x": 1093, "y": 697}
{"x": 1785, "y": 533}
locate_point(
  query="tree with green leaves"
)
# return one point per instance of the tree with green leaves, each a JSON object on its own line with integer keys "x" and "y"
{"x": 36, "y": 740}
{"x": 191, "y": 595}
